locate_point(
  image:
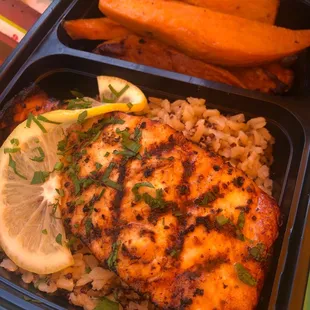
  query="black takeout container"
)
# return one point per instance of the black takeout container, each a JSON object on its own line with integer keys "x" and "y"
{"x": 58, "y": 67}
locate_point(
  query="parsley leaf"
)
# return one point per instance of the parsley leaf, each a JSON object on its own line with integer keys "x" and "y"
{"x": 241, "y": 220}
{"x": 113, "y": 255}
{"x": 60, "y": 192}
{"x": 76, "y": 94}
{"x": 41, "y": 157}
{"x": 11, "y": 150}
{"x": 59, "y": 239}
{"x": 39, "y": 177}
{"x": 136, "y": 187}
{"x": 44, "y": 119}
{"x": 222, "y": 220}
{"x": 12, "y": 164}
{"x": 44, "y": 232}
{"x": 82, "y": 117}
{"x": 244, "y": 275}
{"x": 15, "y": 142}
{"x": 107, "y": 304}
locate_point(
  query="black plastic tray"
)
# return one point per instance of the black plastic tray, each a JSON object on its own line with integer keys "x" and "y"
{"x": 58, "y": 68}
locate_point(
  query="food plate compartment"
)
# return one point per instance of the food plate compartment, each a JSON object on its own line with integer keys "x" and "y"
{"x": 293, "y": 14}
{"x": 59, "y": 74}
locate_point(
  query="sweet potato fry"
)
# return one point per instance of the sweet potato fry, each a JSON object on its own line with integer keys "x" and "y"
{"x": 94, "y": 29}
{"x": 153, "y": 53}
{"x": 207, "y": 35}
{"x": 264, "y": 11}
{"x": 272, "y": 78}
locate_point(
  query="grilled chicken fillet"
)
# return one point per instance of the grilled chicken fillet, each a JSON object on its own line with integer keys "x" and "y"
{"x": 172, "y": 220}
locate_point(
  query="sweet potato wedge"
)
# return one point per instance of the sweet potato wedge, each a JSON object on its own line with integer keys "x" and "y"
{"x": 150, "y": 52}
{"x": 207, "y": 35}
{"x": 153, "y": 53}
{"x": 264, "y": 11}
{"x": 94, "y": 29}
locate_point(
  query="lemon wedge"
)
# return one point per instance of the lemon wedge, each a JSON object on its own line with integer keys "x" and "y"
{"x": 32, "y": 234}
{"x": 31, "y": 230}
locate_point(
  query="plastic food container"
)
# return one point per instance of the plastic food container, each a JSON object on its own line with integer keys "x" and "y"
{"x": 57, "y": 65}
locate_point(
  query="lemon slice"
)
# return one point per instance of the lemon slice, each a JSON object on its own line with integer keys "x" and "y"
{"x": 131, "y": 99}
{"x": 31, "y": 230}
{"x": 32, "y": 234}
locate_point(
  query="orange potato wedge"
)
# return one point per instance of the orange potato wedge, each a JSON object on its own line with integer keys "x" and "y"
{"x": 264, "y": 11}
{"x": 94, "y": 29}
{"x": 270, "y": 79}
{"x": 153, "y": 53}
{"x": 207, "y": 35}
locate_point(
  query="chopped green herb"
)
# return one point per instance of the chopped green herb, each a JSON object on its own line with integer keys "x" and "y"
{"x": 80, "y": 201}
{"x": 112, "y": 184}
{"x": 71, "y": 242}
{"x": 106, "y": 304}
{"x": 113, "y": 256}
{"x": 41, "y": 157}
{"x": 29, "y": 120}
{"x": 171, "y": 158}
{"x": 76, "y": 183}
{"x": 122, "y": 91}
{"x": 39, "y": 177}
{"x": 76, "y": 225}
{"x": 106, "y": 154}
{"x": 87, "y": 270}
{"x": 77, "y": 104}
{"x": 136, "y": 187}
{"x": 39, "y": 124}
{"x": 101, "y": 193}
{"x": 15, "y": 142}
{"x": 76, "y": 94}
{"x": 58, "y": 166}
{"x": 59, "y": 239}
{"x": 62, "y": 144}
{"x": 88, "y": 225}
{"x": 129, "y": 105}
{"x": 175, "y": 253}
{"x": 208, "y": 197}
{"x": 257, "y": 252}
{"x": 98, "y": 166}
{"x": 177, "y": 213}
{"x": 155, "y": 203}
{"x": 240, "y": 235}
{"x": 54, "y": 209}
{"x": 241, "y": 220}
{"x": 222, "y": 220}
{"x": 82, "y": 117}
{"x": 115, "y": 94}
{"x": 44, "y": 119}
{"x": 12, "y": 164}
{"x": 60, "y": 192}
{"x": 244, "y": 275}
{"x": 11, "y": 150}
{"x": 137, "y": 134}
{"x": 69, "y": 158}
{"x": 44, "y": 232}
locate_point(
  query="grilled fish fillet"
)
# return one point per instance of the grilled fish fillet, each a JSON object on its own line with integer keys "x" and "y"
{"x": 174, "y": 221}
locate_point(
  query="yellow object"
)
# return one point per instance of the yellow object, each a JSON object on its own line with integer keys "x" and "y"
{"x": 31, "y": 230}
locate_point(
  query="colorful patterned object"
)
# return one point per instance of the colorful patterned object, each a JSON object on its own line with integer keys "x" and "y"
{"x": 16, "y": 18}
{"x": 11, "y": 29}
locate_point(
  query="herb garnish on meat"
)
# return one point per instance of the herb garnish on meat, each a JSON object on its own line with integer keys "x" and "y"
{"x": 244, "y": 275}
